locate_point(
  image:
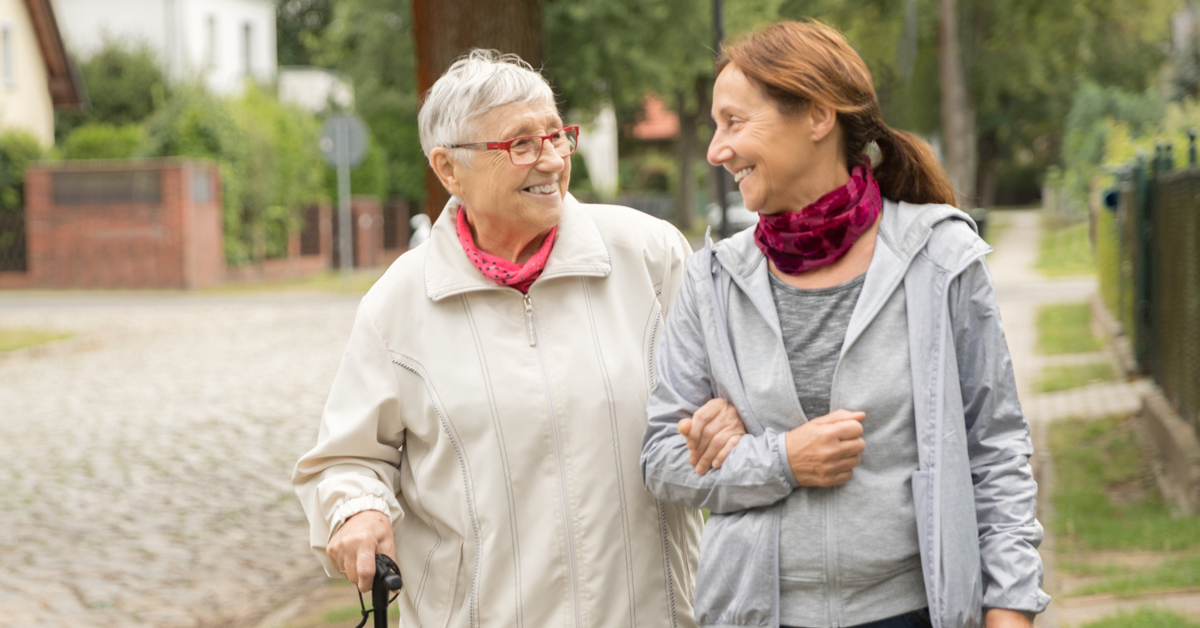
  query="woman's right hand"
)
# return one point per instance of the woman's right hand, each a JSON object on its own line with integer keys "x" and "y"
{"x": 824, "y": 451}
{"x": 711, "y": 433}
{"x": 354, "y": 546}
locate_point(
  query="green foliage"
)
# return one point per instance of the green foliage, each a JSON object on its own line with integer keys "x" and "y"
{"x": 97, "y": 140}
{"x": 1056, "y": 378}
{"x": 268, "y": 157}
{"x": 1108, "y": 265}
{"x": 1065, "y": 328}
{"x": 1144, "y": 618}
{"x": 18, "y": 149}
{"x": 297, "y": 22}
{"x": 1105, "y": 497}
{"x": 124, "y": 83}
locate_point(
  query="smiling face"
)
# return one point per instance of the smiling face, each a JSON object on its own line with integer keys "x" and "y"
{"x": 508, "y": 203}
{"x": 780, "y": 161}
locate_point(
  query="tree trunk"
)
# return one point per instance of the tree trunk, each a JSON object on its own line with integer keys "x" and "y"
{"x": 445, "y": 29}
{"x": 686, "y": 146}
{"x": 989, "y": 161}
{"x": 958, "y": 117}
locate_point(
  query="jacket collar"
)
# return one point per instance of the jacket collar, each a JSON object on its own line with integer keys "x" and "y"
{"x": 903, "y": 232}
{"x": 579, "y": 250}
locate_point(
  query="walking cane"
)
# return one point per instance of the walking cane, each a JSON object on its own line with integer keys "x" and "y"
{"x": 387, "y": 579}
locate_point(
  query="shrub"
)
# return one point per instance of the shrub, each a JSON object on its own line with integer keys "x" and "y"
{"x": 18, "y": 149}
{"x": 103, "y": 141}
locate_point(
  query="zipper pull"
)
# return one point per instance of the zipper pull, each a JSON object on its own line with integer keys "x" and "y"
{"x": 529, "y": 320}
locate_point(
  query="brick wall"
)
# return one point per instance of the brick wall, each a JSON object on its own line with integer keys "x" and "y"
{"x": 124, "y": 224}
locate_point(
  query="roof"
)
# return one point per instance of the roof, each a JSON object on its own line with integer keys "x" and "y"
{"x": 66, "y": 88}
{"x": 657, "y": 122}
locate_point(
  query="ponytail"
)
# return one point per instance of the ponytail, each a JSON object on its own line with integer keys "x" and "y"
{"x": 908, "y": 170}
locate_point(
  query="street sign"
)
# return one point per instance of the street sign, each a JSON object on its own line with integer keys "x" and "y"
{"x": 344, "y": 145}
{"x": 351, "y": 128}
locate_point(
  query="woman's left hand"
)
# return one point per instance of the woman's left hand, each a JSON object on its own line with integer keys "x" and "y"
{"x": 1004, "y": 618}
{"x": 712, "y": 432}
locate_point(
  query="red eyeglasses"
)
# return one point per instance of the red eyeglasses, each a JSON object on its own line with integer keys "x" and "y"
{"x": 527, "y": 149}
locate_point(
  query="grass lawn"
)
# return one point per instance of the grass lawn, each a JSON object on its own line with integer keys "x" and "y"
{"x": 11, "y": 339}
{"x": 1066, "y": 328}
{"x": 1105, "y": 496}
{"x": 327, "y": 281}
{"x": 1105, "y": 499}
{"x": 1144, "y": 618}
{"x": 1065, "y": 377}
{"x": 1065, "y": 251}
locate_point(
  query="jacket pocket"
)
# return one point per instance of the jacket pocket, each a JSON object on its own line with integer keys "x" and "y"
{"x": 451, "y": 594}
{"x": 736, "y": 583}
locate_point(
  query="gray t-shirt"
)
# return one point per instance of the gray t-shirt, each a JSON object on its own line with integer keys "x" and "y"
{"x": 814, "y": 323}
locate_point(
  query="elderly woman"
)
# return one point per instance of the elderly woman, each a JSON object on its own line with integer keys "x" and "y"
{"x": 485, "y": 425}
{"x": 884, "y": 477}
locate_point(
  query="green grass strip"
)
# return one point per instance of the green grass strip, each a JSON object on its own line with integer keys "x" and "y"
{"x": 1055, "y": 378}
{"x": 1105, "y": 497}
{"x": 1066, "y": 251}
{"x": 1066, "y": 328}
{"x": 1144, "y": 618}
{"x": 11, "y": 339}
{"x": 1178, "y": 573}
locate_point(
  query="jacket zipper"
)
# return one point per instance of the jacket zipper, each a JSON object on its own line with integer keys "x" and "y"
{"x": 558, "y": 455}
{"x": 466, "y": 484}
{"x": 529, "y": 322}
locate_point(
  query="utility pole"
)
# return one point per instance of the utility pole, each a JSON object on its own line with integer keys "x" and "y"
{"x": 719, "y": 171}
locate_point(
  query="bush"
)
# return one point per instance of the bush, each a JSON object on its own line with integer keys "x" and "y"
{"x": 267, "y": 152}
{"x": 18, "y": 149}
{"x": 103, "y": 141}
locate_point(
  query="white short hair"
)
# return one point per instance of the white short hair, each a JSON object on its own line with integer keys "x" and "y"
{"x": 478, "y": 82}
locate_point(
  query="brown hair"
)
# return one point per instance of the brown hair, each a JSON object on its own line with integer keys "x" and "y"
{"x": 798, "y": 63}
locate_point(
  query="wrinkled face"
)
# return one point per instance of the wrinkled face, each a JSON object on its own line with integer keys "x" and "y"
{"x": 523, "y": 198}
{"x": 768, "y": 152}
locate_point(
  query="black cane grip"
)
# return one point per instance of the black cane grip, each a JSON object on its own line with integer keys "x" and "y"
{"x": 387, "y": 573}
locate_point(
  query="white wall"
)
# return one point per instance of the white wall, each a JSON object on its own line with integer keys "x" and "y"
{"x": 25, "y": 99}
{"x": 188, "y": 44}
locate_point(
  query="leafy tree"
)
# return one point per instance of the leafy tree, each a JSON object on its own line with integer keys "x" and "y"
{"x": 370, "y": 41}
{"x": 125, "y": 84}
{"x": 298, "y": 23}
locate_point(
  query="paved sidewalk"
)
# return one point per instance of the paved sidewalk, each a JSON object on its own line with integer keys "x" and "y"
{"x": 1020, "y": 291}
{"x": 146, "y": 463}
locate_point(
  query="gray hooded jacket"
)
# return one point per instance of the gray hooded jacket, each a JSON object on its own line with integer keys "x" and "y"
{"x": 974, "y": 494}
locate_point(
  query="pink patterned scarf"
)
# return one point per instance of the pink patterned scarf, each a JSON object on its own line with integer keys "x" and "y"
{"x": 821, "y": 233}
{"x": 498, "y": 269}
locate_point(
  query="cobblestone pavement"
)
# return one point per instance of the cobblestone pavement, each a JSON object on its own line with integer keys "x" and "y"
{"x": 146, "y": 463}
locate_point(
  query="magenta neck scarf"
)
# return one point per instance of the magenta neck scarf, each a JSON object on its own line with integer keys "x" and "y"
{"x": 498, "y": 269}
{"x": 821, "y": 233}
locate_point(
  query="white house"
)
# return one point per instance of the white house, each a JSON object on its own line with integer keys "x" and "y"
{"x": 222, "y": 42}
{"x": 314, "y": 89}
{"x": 35, "y": 74}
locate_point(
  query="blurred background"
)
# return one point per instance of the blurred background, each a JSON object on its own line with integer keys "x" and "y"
{"x": 174, "y": 302}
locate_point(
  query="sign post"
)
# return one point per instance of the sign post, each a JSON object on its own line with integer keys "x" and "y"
{"x": 344, "y": 145}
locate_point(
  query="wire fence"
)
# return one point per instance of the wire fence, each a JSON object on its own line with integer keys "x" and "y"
{"x": 1158, "y": 274}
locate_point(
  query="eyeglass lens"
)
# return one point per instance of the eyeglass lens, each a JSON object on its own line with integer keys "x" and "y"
{"x": 527, "y": 150}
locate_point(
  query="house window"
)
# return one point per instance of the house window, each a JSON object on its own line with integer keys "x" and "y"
{"x": 6, "y": 37}
{"x": 247, "y": 40}
{"x": 211, "y": 40}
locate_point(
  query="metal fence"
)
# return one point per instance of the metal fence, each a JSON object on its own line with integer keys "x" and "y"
{"x": 1158, "y": 275}
{"x": 12, "y": 241}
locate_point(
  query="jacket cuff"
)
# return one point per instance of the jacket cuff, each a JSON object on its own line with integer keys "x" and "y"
{"x": 352, "y": 507}
{"x": 783, "y": 459}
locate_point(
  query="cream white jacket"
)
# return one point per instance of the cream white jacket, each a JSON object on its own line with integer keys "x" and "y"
{"x": 501, "y": 433}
